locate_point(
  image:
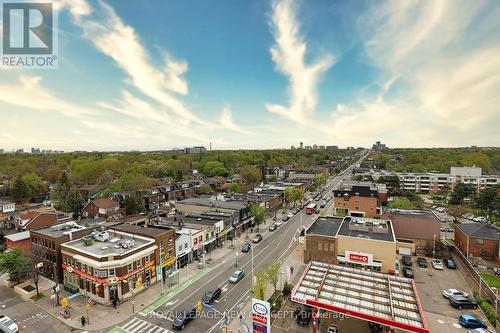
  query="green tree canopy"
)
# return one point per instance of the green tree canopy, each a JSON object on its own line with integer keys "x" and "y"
{"x": 16, "y": 265}
{"x": 251, "y": 174}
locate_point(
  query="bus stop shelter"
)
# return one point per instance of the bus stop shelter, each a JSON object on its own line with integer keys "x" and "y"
{"x": 374, "y": 297}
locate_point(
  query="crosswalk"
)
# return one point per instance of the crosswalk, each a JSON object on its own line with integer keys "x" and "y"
{"x": 136, "y": 325}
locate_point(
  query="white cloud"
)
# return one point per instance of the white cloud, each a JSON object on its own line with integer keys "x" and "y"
{"x": 226, "y": 120}
{"x": 288, "y": 54}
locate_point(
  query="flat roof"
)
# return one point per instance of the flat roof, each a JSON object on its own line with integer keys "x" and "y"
{"x": 368, "y": 228}
{"x": 226, "y": 204}
{"x": 118, "y": 244}
{"x": 479, "y": 230}
{"x": 61, "y": 229}
{"x": 382, "y": 298}
{"x": 149, "y": 231}
{"x": 18, "y": 236}
{"x": 423, "y": 213}
{"x": 325, "y": 226}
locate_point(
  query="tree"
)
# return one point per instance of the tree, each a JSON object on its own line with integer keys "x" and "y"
{"x": 488, "y": 200}
{"x": 234, "y": 187}
{"x": 19, "y": 190}
{"x": 215, "y": 168}
{"x": 251, "y": 174}
{"x": 297, "y": 195}
{"x": 33, "y": 182}
{"x": 62, "y": 189}
{"x": 133, "y": 205}
{"x": 288, "y": 192}
{"x": 17, "y": 265}
{"x": 273, "y": 271}
{"x": 457, "y": 211}
{"x": 320, "y": 180}
{"x": 204, "y": 189}
{"x": 260, "y": 284}
{"x": 392, "y": 183}
{"x": 258, "y": 213}
{"x": 75, "y": 201}
{"x": 272, "y": 178}
{"x": 460, "y": 192}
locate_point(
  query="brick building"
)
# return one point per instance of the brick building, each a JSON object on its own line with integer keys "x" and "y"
{"x": 34, "y": 219}
{"x": 46, "y": 246}
{"x": 19, "y": 239}
{"x": 478, "y": 240}
{"x": 105, "y": 208}
{"x": 358, "y": 199}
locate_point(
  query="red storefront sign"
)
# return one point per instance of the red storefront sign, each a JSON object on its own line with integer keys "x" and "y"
{"x": 358, "y": 258}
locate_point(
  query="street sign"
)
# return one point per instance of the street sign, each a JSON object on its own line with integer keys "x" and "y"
{"x": 158, "y": 273}
{"x": 261, "y": 316}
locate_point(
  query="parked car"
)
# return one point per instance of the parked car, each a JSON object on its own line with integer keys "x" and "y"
{"x": 237, "y": 276}
{"x": 470, "y": 321}
{"x": 9, "y": 323}
{"x": 408, "y": 272}
{"x": 183, "y": 318}
{"x": 246, "y": 247}
{"x": 285, "y": 218}
{"x": 480, "y": 219}
{"x": 322, "y": 205}
{"x": 407, "y": 261}
{"x": 295, "y": 211}
{"x": 450, "y": 263}
{"x": 332, "y": 329}
{"x": 437, "y": 264}
{"x": 453, "y": 292}
{"x": 290, "y": 215}
{"x": 422, "y": 262}
{"x": 303, "y": 315}
{"x": 211, "y": 295}
{"x": 273, "y": 227}
{"x": 257, "y": 238}
{"x": 278, "y": 223}
{"x": 462, "y": 302}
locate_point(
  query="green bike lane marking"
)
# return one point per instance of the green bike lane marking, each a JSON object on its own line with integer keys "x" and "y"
{"x": 163, "y": 299}
{"x": 117, "y": 329}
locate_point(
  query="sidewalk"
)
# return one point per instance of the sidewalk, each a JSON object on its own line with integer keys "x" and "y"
{"x": 101, "y": 317}
{"x": 293, "y": 260}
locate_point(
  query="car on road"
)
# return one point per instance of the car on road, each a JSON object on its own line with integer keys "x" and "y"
{"x": 9, "y": 323}
{"x": 273, "y": 227}
{"x": 278, "y": 223}
{"x": 285, "y": 218}
{"x": 449, "y": 263}
{"x": 211, "y": 295}
{"x": 183, "y": 318}
{"x": 322, "y": 205}
{"x": 257, "y": 238}
{"x": 295, "y": 211}
{"x": 437, "y": 264}
{"x": 290, "y": 215}
{"x": 333, "y": 329}
{"x": 246, "y": 247}
{"x": 453, "y": 292}
{"x": 303, "y": 315}
{"x": 408, "y": 272}
{"x": 422, "y": 262}
{"x": 462, "y": 302}
{"x": 480, "y": 219}
{"x": 470, "y": 321}
{"x": 237, "y": 276}
{"x": 407, "y": 261}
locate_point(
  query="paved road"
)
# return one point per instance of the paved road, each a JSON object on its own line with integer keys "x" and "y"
{"x": 275, "y": 246}
{"x": 28, "y": 317}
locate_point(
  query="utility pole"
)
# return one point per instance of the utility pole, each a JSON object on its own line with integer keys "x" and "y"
{"x": 434, "y": 248}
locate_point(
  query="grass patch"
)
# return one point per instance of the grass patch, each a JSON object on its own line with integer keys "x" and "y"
{"x": 491, "y": 280}
{"x": 38, "y": 297}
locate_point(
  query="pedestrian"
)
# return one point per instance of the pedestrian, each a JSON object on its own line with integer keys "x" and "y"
{"x": 114, "y": 302}
{"x": 291, "y": 269}
{"x": 82, "y": 319}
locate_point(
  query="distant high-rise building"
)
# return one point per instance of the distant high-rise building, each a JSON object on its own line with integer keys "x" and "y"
{"x": 332, "y": 148}
{"x": 315, "y": 146}
{"x": 302, "y": 145}
{"x": 1, "y": 151}
{"x": 378, "y": 146}
{"x": 195, "y": 150}
{"x": 35, "y": 151}
{"x": 20, "y": 151}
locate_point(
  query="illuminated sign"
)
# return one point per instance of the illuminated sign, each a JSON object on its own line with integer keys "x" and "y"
{"x": 261, "y": 316}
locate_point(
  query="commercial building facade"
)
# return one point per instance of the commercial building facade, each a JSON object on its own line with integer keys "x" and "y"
{"x": 359, "y": 199}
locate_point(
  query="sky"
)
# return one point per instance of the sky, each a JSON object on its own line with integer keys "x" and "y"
{"x": 159, "y": 74}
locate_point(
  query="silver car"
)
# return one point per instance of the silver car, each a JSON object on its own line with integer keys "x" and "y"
{"x": 237, "y": 276}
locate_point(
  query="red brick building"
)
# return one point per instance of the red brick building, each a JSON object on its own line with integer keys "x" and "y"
{"x": 19, "y": 239}
{"x": 357, "y": 200}
{"x": 34, "y": 219}
{"x": 105, "y": 208}
{"x": 478, "y": 240}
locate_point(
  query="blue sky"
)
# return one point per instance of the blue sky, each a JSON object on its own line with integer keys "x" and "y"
{"x": 261, "y": 74}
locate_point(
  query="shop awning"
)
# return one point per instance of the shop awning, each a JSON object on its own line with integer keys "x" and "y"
{"x": 382, "y": 298}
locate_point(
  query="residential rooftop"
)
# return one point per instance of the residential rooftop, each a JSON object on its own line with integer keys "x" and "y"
{"x": 18, "y": 236}
{"x": 479, "y": 230}
{"x": 61, "y": 229}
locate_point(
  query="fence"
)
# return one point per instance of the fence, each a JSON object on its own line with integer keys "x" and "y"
{"x": 472, "y": 275}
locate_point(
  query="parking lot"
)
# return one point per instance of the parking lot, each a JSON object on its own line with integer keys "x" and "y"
{"x": 441, "y": 316}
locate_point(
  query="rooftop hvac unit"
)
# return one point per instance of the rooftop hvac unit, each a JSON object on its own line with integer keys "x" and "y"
{"x": 87, "y": 241}
{"x": 101, "y": 236}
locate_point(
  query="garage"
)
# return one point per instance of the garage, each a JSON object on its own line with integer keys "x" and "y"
{"x": 404, "y": 251}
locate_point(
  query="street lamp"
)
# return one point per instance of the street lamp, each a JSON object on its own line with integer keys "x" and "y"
{"x": 434, "y": 247}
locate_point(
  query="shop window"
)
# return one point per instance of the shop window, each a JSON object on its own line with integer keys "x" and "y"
{"x": 130, "y": 268}
{"x": 147, "y": 258}
{"x": 138, "y": 263}
{"x": 111, "y": 272}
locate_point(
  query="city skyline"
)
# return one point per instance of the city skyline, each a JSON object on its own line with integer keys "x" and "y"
{"x": 265, "y": 74}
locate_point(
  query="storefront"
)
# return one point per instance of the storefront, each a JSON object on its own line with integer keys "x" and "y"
{"x": 359, "y": 260}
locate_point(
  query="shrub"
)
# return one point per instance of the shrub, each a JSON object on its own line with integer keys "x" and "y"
{"x": 287, "y": 289}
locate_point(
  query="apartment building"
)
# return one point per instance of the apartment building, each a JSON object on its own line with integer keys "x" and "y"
{"x": 110, "y": 265}
{"x": 105, "y": 208}
{"x": 359, "y": 199}
{"x": 481, "y": 240}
